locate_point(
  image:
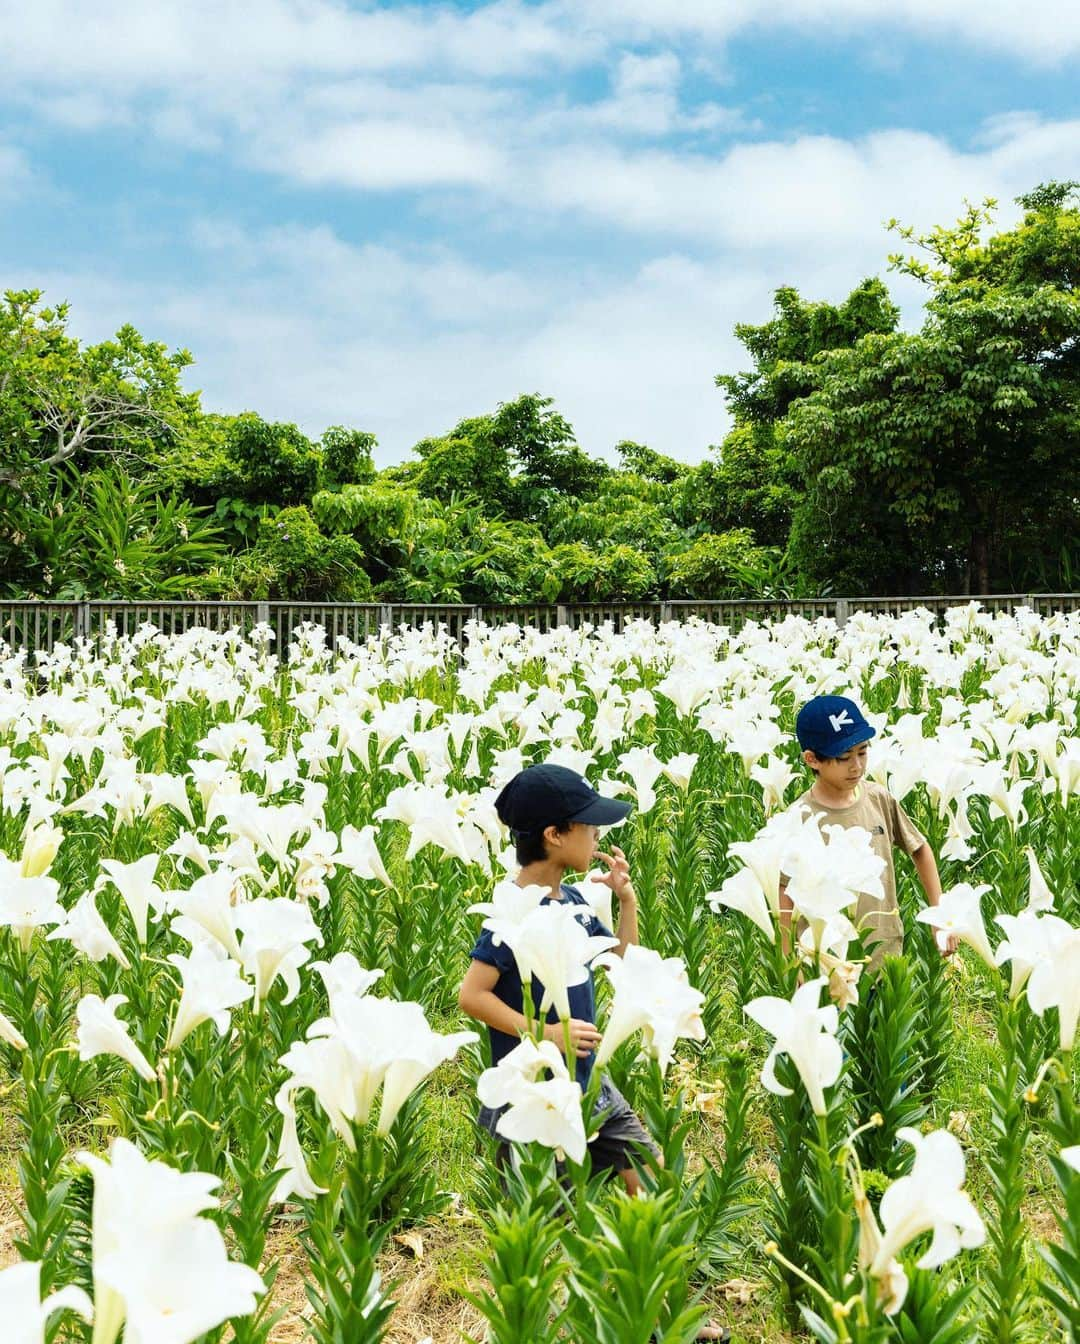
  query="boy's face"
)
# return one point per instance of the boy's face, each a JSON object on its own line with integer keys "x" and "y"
{"x": 840, "y": 772}
{"x": 576, "y": 847}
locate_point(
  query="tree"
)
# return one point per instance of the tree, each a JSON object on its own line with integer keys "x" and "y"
{"x": 346, "y": 456}
{"x": 647, "y": 463}
{"x": 61, "y": 402}
{"x": 968, "y": 430}
{"x": 468, "y": 460}
{"x": 542, "y": 443}
{"x": 270, "y": 462}
{"x": 755, "y": 478}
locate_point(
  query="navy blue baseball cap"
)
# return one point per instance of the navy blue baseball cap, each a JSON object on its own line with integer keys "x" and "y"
{"x": 546, "y": 795}
{"x": 829, "y": 724}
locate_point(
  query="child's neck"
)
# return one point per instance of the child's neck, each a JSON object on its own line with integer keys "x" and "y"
{"x": 547, "y": 873}
{"x": 828, "y": 796}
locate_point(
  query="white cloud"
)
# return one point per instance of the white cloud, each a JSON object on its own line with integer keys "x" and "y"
{"x": 387, "y": 156}
{"x": 791, "y": 197}
{"x": 1050, "y": 37}
{"x": 16, "y": 176}
{"x": 302, "y": 325}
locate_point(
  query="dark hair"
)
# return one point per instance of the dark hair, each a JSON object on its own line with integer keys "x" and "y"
{"x": 818, "y": 755}
{"x": 529, "y": 846}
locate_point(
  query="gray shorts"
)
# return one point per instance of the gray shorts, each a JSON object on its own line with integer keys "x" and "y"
{"x": 616, "y": 1143}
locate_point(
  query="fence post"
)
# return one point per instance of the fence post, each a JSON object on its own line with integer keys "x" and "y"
{"x": 262, "y": 613}
{"x": 843, "y": 611}
{"x": 561, "y": 617}
{"x": 386, "y": 616}
{"x": 82, "y": 620}
{"x": 665, "y": 612}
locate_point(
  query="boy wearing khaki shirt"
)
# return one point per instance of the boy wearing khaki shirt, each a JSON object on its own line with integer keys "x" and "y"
{"x": 835, "y": 736}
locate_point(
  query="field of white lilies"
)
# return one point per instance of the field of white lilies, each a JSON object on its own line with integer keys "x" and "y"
{"x": 238, "y": 890}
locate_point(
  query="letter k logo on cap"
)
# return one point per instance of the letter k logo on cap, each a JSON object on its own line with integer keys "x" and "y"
{"x": 841, "y": 721}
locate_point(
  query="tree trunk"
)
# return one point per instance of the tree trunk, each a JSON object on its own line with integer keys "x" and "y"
{"x": 979, "y": 564}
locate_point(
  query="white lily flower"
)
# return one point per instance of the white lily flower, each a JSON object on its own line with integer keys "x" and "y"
{"x": 296, "y": 1179}
{"x": 342, "y": 1089}
{"x": 24, "y": 1314}
{"x": 509, "y": 906}
{"x": 653, "y": 995}
{"x": 641, "y": 764}
{"x": 343, "y": 975}
{"x": 135, "y": 883}
{"x": 891, "y": 1278}
{"x": 525, "y": 1063}
{"x": 959, "y": 912}
{"x": 680, "y": 768}
{"x": 548, "y": 1113}
{"x": 1040, "y": 897}
{"x": 928, "y": 1199}
{"x": 598, "y": 895}
{"x": 210, "y": 903}
{"x": 101, "y": 1032}
{"x": 1071, "y": 1156}
{"x": 551, "y": 946}
{"x": 764, "y": 854}
{"x": 160, "y": 1271}
{"x": 743, "y": 892}
{"x": 273, "y": 942}
{"x": 360, "y": 854}
{"x": 212, "y": 986}
{"x": 806, "y": 1033}
{"x": 27, "y": 903}
{"x": 40, "y": 846}
{"x": 545, "y": 1111}
{"x": 432, "y": 818}
{"x": 85, "y": 929}
{"x": 167, "y": 791}
{"x": 9, "y": 1032}
{"x": 187, "y": 848}
{"x": 1055, "y": 980}
{"x": 774, "y": 777}
{"x": 1025, "y": 944}
{"x": 417, "y": 1052}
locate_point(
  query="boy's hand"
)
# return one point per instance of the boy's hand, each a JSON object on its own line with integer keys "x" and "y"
{"x": 584, "y": 1037}
{"x": 617, "y": 876}
{"x": 948, "y": 944}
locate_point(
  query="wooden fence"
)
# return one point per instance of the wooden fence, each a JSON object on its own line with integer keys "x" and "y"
{"x": 34, "y": 625}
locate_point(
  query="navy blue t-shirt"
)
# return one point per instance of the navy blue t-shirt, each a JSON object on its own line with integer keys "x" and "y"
{"x": 508, "y": 987}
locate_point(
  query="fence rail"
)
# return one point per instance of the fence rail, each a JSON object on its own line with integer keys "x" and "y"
{"x": 35, "y": 625}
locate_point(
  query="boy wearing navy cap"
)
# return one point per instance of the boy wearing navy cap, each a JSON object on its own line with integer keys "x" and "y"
{"x": 555, "y": 817}
{"x": 835, "y": 736}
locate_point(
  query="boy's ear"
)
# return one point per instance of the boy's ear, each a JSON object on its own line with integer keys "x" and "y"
{"x": 552, "y": 836}
{"x": 810, "y": 758}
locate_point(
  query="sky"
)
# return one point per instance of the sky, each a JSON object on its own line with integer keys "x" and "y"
{"x": 393, "y": 216}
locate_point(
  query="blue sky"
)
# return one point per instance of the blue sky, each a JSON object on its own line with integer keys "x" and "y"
{"x": 395, "y": 215}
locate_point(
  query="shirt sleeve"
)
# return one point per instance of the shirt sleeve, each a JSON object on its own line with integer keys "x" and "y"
{"x": 905, "y": 834}
{"x": 492, "y": 954}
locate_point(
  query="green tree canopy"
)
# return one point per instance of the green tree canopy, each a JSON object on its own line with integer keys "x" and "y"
{"x": 968, "y": 430}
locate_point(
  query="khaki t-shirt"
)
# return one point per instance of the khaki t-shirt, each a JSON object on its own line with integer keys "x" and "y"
{"x": 878, "y": 812}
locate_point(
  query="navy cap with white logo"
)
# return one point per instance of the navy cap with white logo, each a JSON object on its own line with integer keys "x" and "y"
{"x": 829, "y": 725}
{"x": 545, "y": 795}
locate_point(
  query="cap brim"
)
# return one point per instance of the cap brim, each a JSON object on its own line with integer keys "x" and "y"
{"x": 863, "y": 734}
{"x": 602, "y": 812}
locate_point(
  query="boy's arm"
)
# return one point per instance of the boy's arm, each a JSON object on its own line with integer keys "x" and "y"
{"x": 618, "y": 879}
{"x": 787, "y": 908}
{"x": 478, "y": 999}
{"x": 930, "y": 881}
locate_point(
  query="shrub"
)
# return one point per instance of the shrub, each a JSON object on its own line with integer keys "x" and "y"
{"x": 298, "y": 561}
{"x": 715, "y": 565}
